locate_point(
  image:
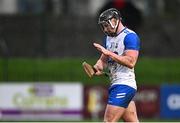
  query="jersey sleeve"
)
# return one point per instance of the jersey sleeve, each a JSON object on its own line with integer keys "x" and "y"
{"x": 132, "y": 42}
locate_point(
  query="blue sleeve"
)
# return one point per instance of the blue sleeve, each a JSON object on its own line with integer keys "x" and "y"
{"x": 132, "y": 42}
{"x": 104, "y": 42}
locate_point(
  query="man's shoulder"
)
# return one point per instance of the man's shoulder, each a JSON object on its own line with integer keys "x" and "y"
{"x": 129, "y": 31}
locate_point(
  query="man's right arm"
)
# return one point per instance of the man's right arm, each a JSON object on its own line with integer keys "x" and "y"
{"x": 100, "y": 64}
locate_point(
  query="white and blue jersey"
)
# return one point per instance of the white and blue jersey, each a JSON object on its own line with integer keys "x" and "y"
{"x": 123, "y": 84}
{"x": 126, "y": 40}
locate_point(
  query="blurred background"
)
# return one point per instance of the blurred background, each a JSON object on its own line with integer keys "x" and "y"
{"x": 44, "y": 42}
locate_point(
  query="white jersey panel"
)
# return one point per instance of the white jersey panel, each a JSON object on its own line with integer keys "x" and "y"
{"x": 119, "y": 74}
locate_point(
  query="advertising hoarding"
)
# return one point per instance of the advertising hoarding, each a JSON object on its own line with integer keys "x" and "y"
{"x": 41, "y": 101}
{"x": 170, "y": 101}
{"x": 95, "y": 100}
{"x": 147, "y": 101}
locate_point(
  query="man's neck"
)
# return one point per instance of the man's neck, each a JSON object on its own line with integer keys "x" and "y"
{"x": 120, "y": 27}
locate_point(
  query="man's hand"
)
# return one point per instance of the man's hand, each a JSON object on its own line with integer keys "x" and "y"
{"x": 98, "y": 71}
{"x": 101, "y": 49}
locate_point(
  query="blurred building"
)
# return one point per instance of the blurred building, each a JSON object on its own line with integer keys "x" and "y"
{"x": 8, "y": 6}
{"x": 32, "y": 28}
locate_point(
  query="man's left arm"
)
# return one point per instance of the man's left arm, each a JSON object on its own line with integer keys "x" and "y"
{"x": 130, "y": 55}
{"x": 128, "y": 59}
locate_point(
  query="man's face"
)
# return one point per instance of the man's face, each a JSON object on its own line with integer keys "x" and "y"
{"x": 109, "y": 27}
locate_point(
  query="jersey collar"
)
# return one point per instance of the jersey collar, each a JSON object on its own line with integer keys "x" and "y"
{"x": 122, "y": 30}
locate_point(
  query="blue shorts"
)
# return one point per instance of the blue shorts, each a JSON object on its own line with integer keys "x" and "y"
{"x": 121, "y": 95}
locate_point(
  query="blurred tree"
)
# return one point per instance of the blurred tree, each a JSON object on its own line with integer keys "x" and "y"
{"x": 30, "y": 6}
{"x": 172, "y": 7}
